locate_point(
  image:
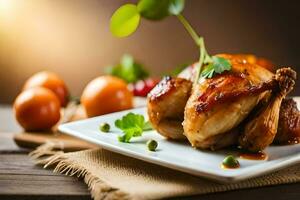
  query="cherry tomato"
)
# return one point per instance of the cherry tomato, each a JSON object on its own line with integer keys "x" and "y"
{"x": 50, "y": 81}
{"x": 37, "y": 109}
{"x": 143, "y": 87}
{"x": 106, "y": 94}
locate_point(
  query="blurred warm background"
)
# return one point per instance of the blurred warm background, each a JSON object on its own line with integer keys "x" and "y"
{"x": 72, "y": 38}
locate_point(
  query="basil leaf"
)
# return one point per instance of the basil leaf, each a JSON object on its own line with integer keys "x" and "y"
{"x": 153, "y": 9}
{"x": 125, "y": 20}
{"x": 220, "y": 64}
{"x": 159, "y": 9}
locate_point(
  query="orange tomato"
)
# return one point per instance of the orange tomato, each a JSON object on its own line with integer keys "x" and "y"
{"x": 37, "y": 109}
{"x": 106, "y": 94}
{"x": 51, "y": 81}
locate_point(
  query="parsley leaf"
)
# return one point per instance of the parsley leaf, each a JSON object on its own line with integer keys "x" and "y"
{"x": 128, "y": 70}
{"x": 208, "y": 71}
{"x": 221, "y": 64}
{"x": 132, "y": 125}
{"x": 218, "y": 65}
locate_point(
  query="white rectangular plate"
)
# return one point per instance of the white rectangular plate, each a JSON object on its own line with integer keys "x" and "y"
{"x": 180, "y": 156}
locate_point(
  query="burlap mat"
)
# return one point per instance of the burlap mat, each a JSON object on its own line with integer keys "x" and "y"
{"x": 114, "y": 176}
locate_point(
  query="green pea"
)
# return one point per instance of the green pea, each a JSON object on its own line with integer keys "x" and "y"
{"x": 152, "y": 145}
{"x": 231, "y": 162}
{"x": 104, "y": 127}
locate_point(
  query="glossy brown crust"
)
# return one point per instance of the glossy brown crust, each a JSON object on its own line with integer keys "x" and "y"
{"x": 252, "y": 59}
{"x": 289, "y": 123}
{"x": 230, "y": 87}
{"x": 243, "y": 79}
{"x": 189, "y": 72}
{"x": 166, "y": 87}
{"x": 166, "y": 104}
{"x": 219, "y": 104}
{"x": 260, "y": 131}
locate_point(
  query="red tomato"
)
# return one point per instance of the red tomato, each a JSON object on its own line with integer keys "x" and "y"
{"x": 143, "y": 87}
{"x": 37, "y": 109}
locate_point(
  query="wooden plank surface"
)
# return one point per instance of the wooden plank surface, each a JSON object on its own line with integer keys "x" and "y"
{"x": 21, "y": 179}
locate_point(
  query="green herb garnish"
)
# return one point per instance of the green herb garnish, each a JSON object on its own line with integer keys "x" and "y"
{"x": 152, "y": 145}
{"x": 157, "y": 10}
{"x": 128, "y": 70}
{"x": 217, "y": 66}
{"x": 104, "y": 127}
{"x": 126, "y": 19}
{"x": 132, "y": 125}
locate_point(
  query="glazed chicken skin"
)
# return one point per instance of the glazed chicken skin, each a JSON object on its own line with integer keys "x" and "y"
{"x": 215, "y": 113}
{"x": 219, "y": 104}
{"x": 167, "y": 100}
{"x": 189, "y": 72}
{"x": 252, "y": 59}
{"x": 260, "y": 131}
{"x": 166, "y": 104}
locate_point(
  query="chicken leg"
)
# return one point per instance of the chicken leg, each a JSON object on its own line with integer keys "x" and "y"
{"x": 260, "y": 131}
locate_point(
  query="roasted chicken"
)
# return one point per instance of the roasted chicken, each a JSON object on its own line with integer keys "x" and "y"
{"x": 220, "y": 104}
{"x": 288, "y": 131}
{"x": 166, "y": 104}
{"x": 260, "y": 131}
{"x": 240, "y": 106}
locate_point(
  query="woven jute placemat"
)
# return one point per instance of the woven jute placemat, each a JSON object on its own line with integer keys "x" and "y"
{"x": 114, "y": 176}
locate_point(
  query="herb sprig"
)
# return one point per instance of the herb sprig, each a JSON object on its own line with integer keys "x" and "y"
{"x": 217, "y": 66}
{"x": 126, "y": 19}
{"x": 128, "y": 69}
{"x": 132, "y": 125}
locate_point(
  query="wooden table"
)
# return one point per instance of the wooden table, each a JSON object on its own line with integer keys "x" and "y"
{"x": 21, "y": 179}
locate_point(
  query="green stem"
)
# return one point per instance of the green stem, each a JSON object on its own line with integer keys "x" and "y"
{"x": 201, "y": 60}
{"x": 203, "y": 57}
{"x": 189, "y": 28}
